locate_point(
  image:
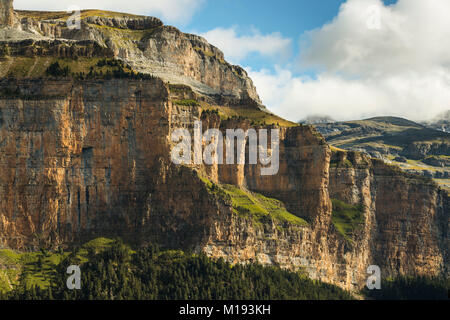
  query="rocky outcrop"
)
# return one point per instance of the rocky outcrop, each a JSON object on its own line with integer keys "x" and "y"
{"x": 422, "y": 150}
{"x": 150, "y": 48}
{"x": 125, "y": 22}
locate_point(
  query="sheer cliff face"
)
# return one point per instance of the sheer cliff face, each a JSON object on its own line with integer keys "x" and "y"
{"x": 81, "y": 159}
{"x": 77, "y": 159}
{"x": 407, "y": 217}
{"x": 91, "y": 158}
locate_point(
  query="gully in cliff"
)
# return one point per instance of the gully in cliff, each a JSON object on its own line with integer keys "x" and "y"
{"x": 214, "y": 149}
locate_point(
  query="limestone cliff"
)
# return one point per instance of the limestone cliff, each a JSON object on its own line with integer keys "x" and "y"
{"x": 80, "y": 159}
{"x": 88, "y": 157}
{"x": 148, "y": 46}
{"x": 7, "y": 17}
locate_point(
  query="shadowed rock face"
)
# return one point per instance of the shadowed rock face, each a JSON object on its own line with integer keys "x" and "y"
{"x": 6, "y": 13}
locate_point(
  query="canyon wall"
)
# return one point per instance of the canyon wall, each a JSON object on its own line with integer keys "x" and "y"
{"x": 82, "y": 159}
{"x": 407, "y": 216}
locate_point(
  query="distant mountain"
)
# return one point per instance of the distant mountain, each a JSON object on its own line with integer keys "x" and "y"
{"x": 315, "y": 119}
{"x": 440, "y": 122}
{"x": 410, "y": 145}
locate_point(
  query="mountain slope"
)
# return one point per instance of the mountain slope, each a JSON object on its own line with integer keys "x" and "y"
{"x": 144, "y": 43}
{"x": 411, "y": 146}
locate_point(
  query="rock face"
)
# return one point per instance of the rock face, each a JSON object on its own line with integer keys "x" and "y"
{"x": 422, "y": 150}
{"x": 81, "y": 159}
{"x": 6, "y": 13}
{"x": 407, "y": 217}
{"x": 149, "y": 47}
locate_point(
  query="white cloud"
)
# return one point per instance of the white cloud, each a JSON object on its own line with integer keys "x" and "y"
{"x": 236, "y": 47}
{"x": 400, "y": 69}
{"x": 168, "y": 10}
{"x": 413, "y": 35}
{"x": 413, "y": 96}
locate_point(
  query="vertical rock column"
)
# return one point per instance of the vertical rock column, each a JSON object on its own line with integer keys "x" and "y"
{"x": 6, "y": 13}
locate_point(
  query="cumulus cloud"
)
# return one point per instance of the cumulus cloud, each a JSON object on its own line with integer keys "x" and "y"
{"x": 237, "y": 47}
{"x": 413, "y": 96}
{"x": 412, "y": 35}
{"x": 372, "y": 60}
{"x": 168, "y": 10}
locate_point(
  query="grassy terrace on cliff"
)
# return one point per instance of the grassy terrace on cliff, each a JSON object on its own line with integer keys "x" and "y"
{"x": 256, "y": 116}
{"x": 253, "y": 205}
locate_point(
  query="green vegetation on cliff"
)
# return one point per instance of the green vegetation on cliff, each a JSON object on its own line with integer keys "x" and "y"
{"x": 256, "y": 116}
{"x": 254, "y": 205}
{"x": 76, "y": 67}
{"x": 347, "y": 218}
{"x": 111, "y": 270}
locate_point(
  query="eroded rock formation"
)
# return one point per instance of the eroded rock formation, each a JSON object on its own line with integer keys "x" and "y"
{"x": 81, "y": 159}
{"x": 7, "y": 18}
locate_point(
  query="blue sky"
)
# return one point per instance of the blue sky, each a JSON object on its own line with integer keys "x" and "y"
{"x": 291, "y": 18}
{"x": 347, "y": 59}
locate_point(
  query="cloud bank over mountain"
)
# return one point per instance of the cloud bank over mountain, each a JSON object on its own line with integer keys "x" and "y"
{"x": 398, "y": 65}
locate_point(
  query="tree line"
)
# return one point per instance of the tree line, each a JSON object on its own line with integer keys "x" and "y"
{"x": 118, "y": 273}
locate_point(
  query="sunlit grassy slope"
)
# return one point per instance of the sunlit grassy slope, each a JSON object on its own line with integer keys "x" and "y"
{"x": 37, "y": 268}
{"x": 347, "y": 218}
{"x": 253, "y": 205}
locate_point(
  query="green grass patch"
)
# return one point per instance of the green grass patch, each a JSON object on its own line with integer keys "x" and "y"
{"x": 39, "y": 268}
{"x": 347, "y": 218}
{"x": 9, "y": 257}
{"x": 253, "y": 205}
{"x": 256, "y": 116}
